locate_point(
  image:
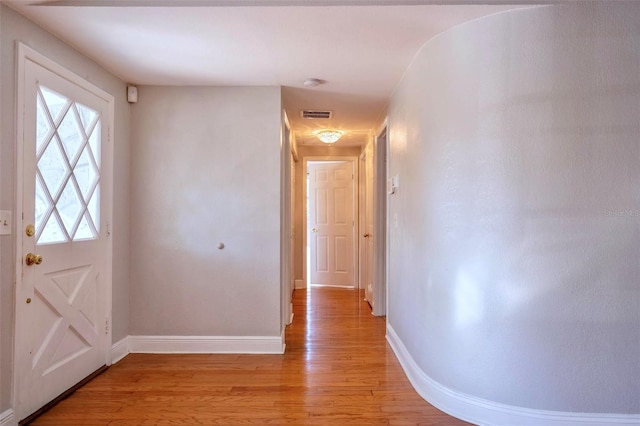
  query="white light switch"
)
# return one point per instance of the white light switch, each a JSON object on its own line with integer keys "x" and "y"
{"x": 393, "y": 184}
{"x": 5, "y": 222}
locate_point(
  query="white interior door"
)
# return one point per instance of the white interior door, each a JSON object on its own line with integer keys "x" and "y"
{"x": 63, "y": 296}
{"x": 330, "y": 226}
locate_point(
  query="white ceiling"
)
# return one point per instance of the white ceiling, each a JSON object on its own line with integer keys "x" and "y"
{"x": 361, "y": 50}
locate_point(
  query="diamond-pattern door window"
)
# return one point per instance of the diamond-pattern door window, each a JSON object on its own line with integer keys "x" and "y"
{"x": 68, "y": 169}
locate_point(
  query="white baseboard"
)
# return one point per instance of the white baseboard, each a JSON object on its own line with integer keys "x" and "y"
{"x": 484, "y": 412}
{"x": 119, "y": 350}
{"x": 300, "y": 284}
{"x": 207, "y": 344}
{"x": 7, "y": 419}
{"x": 347, "y": 287}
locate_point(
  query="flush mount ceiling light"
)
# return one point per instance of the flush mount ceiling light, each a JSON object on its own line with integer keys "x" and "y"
{"x": 329, "y": 136}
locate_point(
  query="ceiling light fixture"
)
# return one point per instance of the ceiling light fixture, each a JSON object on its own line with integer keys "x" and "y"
{"x": 329, "y": 136}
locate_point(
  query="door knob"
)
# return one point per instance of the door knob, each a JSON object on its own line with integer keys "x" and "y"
{"x": 32, "y": 259}
{"x": 367, "y": 235}
{"x": 314, "y": 230}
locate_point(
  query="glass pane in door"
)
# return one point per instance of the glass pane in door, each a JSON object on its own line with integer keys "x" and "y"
{"x": 68, "y": 169}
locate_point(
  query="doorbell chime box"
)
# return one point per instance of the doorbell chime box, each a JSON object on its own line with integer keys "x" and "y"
{"x": 132, "y": 94}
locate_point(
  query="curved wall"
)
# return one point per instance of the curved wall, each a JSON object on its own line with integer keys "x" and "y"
{"x": 515, "y": 233}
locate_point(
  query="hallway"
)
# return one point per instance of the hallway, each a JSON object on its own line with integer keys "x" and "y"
{"x": 337, "y": 369}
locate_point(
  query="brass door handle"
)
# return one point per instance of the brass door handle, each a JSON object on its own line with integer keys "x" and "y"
{"x": 367, "y": 235}
{"x": 314, "y": 230}
{"x": 32, "y": 259}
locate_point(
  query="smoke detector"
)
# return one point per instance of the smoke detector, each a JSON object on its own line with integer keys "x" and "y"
{"x": 313, "y": 82}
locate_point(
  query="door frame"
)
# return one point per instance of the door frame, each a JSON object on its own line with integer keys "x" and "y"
{"x": 305, "y": 214}
{"x": 362, "y": 211}
{"x": 24, "y": 54}
{"x": 381, "y": 219}
{"x": 286, "y": 220}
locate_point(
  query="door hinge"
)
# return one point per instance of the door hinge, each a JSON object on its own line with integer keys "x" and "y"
{"x": 109, "y": 134}
{"x": 108, "y": 230}
{"x": 107, "y": 326}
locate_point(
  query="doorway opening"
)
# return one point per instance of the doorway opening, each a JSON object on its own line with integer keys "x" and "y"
{"x": 383, "y": 187}
{"x": 330, "y": 224}
{"x": 373, "y": 221}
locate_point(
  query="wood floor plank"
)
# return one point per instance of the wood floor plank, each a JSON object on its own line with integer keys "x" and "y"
{"x": 337, "y": 370}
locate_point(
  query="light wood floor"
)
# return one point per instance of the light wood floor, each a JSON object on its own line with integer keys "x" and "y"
{"x": 337, "y": 370}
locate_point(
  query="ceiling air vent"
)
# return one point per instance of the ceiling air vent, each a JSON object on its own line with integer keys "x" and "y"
{"x": 311, "y": 114}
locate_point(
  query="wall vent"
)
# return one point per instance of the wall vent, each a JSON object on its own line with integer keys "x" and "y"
{"x": 312, "y": 114}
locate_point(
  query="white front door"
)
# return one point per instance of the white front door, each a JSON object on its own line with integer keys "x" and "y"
{"x": 331, "y": 223}
{"x": 63, "y": 296}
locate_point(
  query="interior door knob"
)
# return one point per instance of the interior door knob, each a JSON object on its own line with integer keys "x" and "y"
{"x": 367, "y": 235}
{"x": 314, "y": 230}
{"x": 32, "y": 259}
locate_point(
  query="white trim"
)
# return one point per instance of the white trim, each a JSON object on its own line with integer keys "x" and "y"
{"x": 207, "y": 344}
{"x": 300, "y": 284}
{"x": 286, "y": 221}
{"x": 484, "y": 412}
{"x": 27, "y": 53}
{"x": 381, "y": 128}
{"x": 380, "y": 220}
{"x": 119, "y": 350}
{"x": 346, "y": 287}
{"x": 7, "y": 419}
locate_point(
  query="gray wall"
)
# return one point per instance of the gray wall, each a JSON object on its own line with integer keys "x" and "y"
{"x": 515, "y": 232}
{"x": 205, "y": 170}
{"x": 15, "y": 27}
